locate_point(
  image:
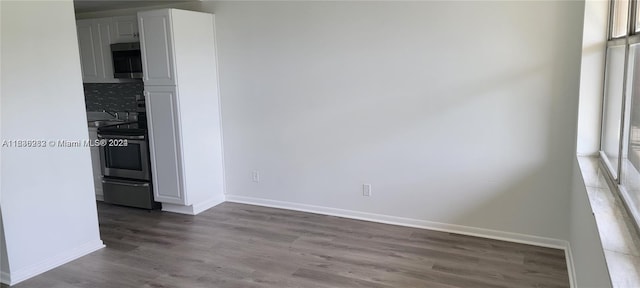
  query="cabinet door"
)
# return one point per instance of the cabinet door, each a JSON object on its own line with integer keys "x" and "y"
{"x": 125, "y": 29}
{"x": 87, "y": 40}
{"x": 164, "y": 144}
{"x": 95, "y": 164}
{"x": 156, "y": 44}
{"x": 94, "y": 39}
{"x": 104, "y": 29}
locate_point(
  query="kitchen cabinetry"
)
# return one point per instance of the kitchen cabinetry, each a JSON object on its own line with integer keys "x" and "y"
{"x": 86, "y": 40}
{"x": 94, "y": 38}
{"x": 183, "y": 113}
{"x": 95, "y": 164}
{"x": 164, "y": 130}
{"x": 157, "y": 48}
{"x": 125, "y": 29}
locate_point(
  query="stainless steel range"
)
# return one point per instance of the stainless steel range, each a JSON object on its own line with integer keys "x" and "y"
{"x": 124, "y": 153}
{"x": 126, "y": 170}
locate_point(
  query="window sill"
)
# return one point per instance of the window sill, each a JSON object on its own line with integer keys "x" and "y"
{"x": 618, "y": 235}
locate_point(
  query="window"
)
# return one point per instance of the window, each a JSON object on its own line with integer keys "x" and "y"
{"x": 637, "y": 19}
{"x": 619, "y": 18}
{"x": 620, "y": 139}
{"x": 612, "y": 106}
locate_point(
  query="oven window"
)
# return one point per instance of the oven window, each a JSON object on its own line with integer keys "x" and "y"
{"x": 124, "y": 157}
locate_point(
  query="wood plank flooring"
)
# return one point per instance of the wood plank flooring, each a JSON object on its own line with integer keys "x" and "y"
{"x": 236, "y": 245}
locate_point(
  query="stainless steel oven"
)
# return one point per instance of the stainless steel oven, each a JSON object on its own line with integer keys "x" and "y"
{"x": 125, "y": 161}
{"x": 126, "y": 170}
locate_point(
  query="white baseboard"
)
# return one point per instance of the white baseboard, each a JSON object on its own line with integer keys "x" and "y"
{"x": 15, "y": 277}
{"x": 416, "y": 223}
{"x": 194, "y": 209}
{"x": 570, "y": 267}
{"x": 408, "y": 222}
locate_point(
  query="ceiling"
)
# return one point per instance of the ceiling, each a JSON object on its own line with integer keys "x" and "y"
{"x": 82, "y": 6}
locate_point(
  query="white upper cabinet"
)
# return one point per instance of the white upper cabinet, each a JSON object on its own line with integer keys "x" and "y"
{"x": 156, "y": 44}
{"x": 94, "y": 39}
{"x": 125, "y": 29}
{"x": 105, "y": 28}
{"x": 87, "y": 39}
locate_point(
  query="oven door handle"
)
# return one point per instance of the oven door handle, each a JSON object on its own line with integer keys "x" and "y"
{"x": 133, "y": 184}
{"x": 140, "y": 137}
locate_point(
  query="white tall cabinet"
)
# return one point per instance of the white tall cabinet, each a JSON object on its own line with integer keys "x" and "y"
{"x": 181, "y": 91}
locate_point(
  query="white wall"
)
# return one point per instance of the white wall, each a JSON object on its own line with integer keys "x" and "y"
{"x": 586, "y": 247}
{"x": 588, "y": 255}
{"x": 455, "y": 112}
{"x": 48, "y": 202}
{"x": 463, "y": 122}
{"x": 594, "y": 43}
{"x": 466, "y": 122}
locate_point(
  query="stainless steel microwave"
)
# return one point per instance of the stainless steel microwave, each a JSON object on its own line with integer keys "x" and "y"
{"x": 127, "y": 60}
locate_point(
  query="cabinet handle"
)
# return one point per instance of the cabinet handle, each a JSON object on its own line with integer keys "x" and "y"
{"x": 109, "y": 181}
{"x": 101, "y": 136}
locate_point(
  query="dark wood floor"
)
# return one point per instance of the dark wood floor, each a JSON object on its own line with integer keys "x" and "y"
{"x": 235, "y": 245}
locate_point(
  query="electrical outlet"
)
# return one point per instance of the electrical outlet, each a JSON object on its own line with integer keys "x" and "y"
{"x": 366, "y": 190}
{"x": 255, "y": 176}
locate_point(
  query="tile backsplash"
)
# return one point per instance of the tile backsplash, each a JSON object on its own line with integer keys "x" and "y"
{"x": 112, "y": 96}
